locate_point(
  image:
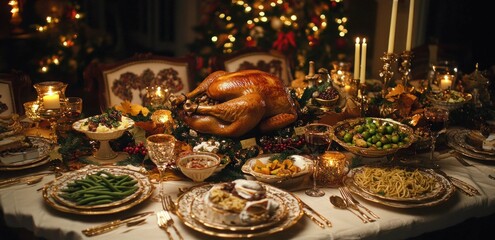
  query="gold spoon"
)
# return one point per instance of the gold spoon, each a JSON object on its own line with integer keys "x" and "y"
{"x": 340, "y": 203}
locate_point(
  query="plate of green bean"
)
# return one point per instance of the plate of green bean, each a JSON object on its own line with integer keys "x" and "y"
{"x": 98, "y": 190}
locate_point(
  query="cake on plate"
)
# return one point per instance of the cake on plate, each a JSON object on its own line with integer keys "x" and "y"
{"x": 239, "y": 202}
{"x": 483, "y": 140}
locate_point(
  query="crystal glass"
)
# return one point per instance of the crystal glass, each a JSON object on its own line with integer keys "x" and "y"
{"x": 318, "y": 139}
{"x": 51, "y": 100}
{"x": 436, "y": 119}
{"x": 31, "y": 110}
{"x": 442, "y": 76}
{"x": 161, "y": 150}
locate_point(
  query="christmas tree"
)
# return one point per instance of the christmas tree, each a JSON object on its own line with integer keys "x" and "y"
{"x": 306, "y": 30}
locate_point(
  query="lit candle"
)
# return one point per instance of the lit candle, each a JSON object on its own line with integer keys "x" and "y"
{"x": 410, "y": 25}
{"x": 391, "y": 35}
{"x": 51, "y": 100}
{"x": 347, "y": 88}
{"x": 159, "y": 92}
{"x": 446, "y": 82}
{"x": 362, "y": 75}
{"x": 356, "y": 60}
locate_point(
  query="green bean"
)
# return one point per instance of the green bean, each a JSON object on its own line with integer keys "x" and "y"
{"x": 91, "y": 199}
{"x": 110, "y": 185}
{"x": 129, "y": 183}
{"x": 115, "y": 194}
{"x": 124, "y": 179}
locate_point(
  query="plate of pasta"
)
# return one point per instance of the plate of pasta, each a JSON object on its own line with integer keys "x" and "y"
{"x": 398, "y": 186}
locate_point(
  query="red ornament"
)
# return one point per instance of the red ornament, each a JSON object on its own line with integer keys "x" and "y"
{"x": 284, "y": 41}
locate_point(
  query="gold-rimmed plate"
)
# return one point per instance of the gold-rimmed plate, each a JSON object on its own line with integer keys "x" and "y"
{"x": 43, "y": 145}
{"x": 62, "y": 183}
{"x": 457, "y": 141}
{"x": 448, "y": 190}
{"x": 50, "y": 188}
{"x": 292, "y": 204}
{"x": 199, "y": 213}
{"x": 428, "y": 183}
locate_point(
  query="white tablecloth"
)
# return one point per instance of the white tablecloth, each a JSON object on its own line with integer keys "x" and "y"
{"x": 24, "y": 207}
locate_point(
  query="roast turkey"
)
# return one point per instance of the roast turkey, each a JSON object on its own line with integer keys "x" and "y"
{"x": 247, "y": 100}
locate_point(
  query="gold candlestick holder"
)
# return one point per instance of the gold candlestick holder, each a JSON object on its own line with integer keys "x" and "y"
{"x": 405, "y": 68}
{"x": 387, "y": 72}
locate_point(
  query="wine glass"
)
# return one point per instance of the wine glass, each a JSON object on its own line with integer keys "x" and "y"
{"x": 436, "y": 119}
{"x": 31, "y": 111}
{"x": 318, "y": 139}
{"x": 161, "y": 151}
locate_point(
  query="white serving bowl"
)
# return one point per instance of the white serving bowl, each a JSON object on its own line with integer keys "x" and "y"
{"x": 305, "y": 165}
{"x": 198, "y": 166}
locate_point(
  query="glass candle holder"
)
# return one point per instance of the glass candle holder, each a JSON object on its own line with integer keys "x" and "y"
{"x": 157, "y": 95}
{"x": 333, "y": 167}
{"x": 52, "y": 101}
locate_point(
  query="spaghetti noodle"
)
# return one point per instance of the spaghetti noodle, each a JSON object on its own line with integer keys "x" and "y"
{"x": 394, "y": 182}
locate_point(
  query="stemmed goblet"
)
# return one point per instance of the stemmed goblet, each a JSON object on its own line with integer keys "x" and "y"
{"x": 31, "y": 111}
{"x": 161, "y": 151}
{"x": 318, "y": 139}
{"x": 436, "y": 119}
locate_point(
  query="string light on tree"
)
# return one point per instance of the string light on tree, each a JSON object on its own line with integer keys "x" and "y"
{"x": 303, "y": 30}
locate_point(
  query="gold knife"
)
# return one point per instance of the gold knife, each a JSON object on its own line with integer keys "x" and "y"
{"x": 312, "y": 217}
{"x": 327, "y": 222}
{"x": 106, "y": 227}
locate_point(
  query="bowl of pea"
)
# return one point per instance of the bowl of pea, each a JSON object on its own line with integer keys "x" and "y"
{"x": 373, "y": 137}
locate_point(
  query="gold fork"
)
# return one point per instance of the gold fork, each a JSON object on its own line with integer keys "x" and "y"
{"x": 167, "y": 209}
{"x": 351, "y": 204}
{"x": 355, "y": 201}
{"x": 163, "y": 223}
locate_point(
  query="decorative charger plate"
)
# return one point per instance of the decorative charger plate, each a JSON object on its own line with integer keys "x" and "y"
{"x": 44, "y": 147}
{"x": 438, "y": 185}
{"x": 198, "y": 212}
{"x": 457, "y": 141}
{"x": 185, "y": 212}
{"x": 62, "y": 183}
{"x": 51, "y": 188}
{"x": 448, "y": 190}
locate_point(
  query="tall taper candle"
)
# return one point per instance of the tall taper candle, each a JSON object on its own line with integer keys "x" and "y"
{"x": 362, "y": 75}
{"x": 410, "y": 25}
{"x": 356, "y": 60}
{"x": 391, "y": 35}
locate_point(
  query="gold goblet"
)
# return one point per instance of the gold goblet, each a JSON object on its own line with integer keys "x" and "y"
{"x": 161, "y": 150}
{"x": 31, "y": 111}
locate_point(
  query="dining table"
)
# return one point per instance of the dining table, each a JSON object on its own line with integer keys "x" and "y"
{"x": 24, "y": 207}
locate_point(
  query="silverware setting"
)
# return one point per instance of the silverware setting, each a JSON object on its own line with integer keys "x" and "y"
{"x": 29, "y": 180}
{"x": 107, "y": 227}
{"x": 164, "y": 219}
{"x": 311, "y": 213}
{"x": 352, "y": 203}
{"x": 461, "y": 185}
{"x": 355, "y": 201}
{"x": 342, "y": 204}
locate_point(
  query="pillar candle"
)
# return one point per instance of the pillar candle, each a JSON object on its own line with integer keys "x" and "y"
{"x": 391, "y": 35}
{"x": 356, "y": 59}
{"x": 445, "y": 82}
{"x": 410, "y": 25}
{"x": 362, "y": 75}
{"x": 51, "y": 100}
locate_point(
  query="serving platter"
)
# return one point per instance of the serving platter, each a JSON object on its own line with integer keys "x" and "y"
{"x": 457, "y": 141}
{"x": 185, "y": 212}
{"x": 51, "y": 189}
{"x": 198, "y": 212}
{"x": 63, "y": 183}
{"x": 444, "y": 190}
{"x": 305, "y": 164}
{"x": 43, "y": 145}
